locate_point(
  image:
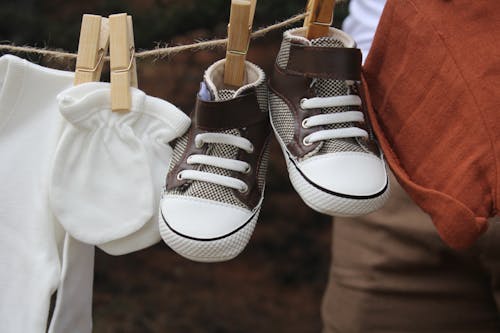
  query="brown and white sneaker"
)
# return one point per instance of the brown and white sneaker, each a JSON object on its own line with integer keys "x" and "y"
{"x": 317, "y": 113}
{"x": 215, "y": 184}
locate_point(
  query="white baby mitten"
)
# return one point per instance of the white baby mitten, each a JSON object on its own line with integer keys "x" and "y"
{"x": 159, "y": 124}
{"x": 101, "y": 186}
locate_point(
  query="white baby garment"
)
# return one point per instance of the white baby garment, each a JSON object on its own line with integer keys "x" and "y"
{"x": 73, "y": 307}
{"x": 33, "y": 247}
{"x": 110, "y": 166}
{"x": 362, "y": 22}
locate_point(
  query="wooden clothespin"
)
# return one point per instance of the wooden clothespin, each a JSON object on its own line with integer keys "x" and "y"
{"x": 239, "y": 28}
{"x": 319, "y": 18}
{"x": 122, "y": 61}
{"x": 131, "y": 43}
{"x": 92, "y": 48}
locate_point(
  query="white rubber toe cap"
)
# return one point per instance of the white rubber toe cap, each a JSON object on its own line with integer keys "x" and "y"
{"x": 202, "y": 219}
{"x": 349, "y": 173}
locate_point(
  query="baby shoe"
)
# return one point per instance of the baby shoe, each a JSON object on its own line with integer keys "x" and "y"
{"x": 215, "y": 184}
{"x": 318, "y": 117}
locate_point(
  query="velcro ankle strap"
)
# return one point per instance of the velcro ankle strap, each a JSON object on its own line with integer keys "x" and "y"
{"x": 325, "y": 62}
{"x": 239, "y": 112}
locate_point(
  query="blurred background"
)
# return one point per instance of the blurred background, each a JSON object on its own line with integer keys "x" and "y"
{"x": 276, "y": 284}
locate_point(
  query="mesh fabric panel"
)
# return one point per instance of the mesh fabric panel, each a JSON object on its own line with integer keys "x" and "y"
{"x": 283, "y": 120}
{"x": 326, "y": 88}
{"x": 212, "y": 191}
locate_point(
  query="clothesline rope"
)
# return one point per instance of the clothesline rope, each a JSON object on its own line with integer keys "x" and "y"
{"x": 157, "y": 53}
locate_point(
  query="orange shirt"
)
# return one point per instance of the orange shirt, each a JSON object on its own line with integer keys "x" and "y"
{"x": 433, "y": 77}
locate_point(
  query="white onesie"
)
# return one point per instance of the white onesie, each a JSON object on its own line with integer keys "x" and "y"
{"x": 33, "y": 247}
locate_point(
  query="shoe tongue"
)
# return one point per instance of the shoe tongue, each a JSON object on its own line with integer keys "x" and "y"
{"x": 325, "y": 87}
{"x": 210, "y": 92}
{"x": 225, "y": 94}
{"x": 327, "y": 42}
{"x": 219, "y": 91}
{"x": 322, "y": 87}
{"x": 213, "y": 89}
{"x": 214, "y": 83}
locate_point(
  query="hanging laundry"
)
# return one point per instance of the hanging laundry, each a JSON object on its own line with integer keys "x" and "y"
{"x": 318, "y": 116}
{"x": 110, "y": 166}
{"x": 36, "y": 256}
{"x": 215, "y": 184}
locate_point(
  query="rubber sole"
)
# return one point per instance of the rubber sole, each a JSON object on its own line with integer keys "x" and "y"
{"x": 221, "y": 249}
{"x": 328, "y": 203}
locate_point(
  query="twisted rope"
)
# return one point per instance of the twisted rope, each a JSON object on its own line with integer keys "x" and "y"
{"x": 157, "y": 53}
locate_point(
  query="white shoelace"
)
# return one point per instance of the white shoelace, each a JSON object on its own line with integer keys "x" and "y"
{"x": 332, "y": 118}
{"x": 219, "y": 162}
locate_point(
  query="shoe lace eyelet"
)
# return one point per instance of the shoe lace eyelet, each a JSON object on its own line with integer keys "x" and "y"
{"x": 304, "y": 123}
{"x": 302, "y": 103}
{"x": 244, "y": 189}
{"x": 248, "y": 170}
{"x": 198, "y": 143}
{"x": 179, "y": 176}
{"x": 306, "y": 142}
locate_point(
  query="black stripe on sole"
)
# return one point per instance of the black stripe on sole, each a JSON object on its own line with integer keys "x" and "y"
{"x": 342, "y": 195}
{"x": 206, "y": 239}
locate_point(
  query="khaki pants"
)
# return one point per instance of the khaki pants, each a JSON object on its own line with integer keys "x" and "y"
{"x": 390, "y": 272}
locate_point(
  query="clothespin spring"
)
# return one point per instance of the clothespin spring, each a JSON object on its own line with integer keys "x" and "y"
{"x": 327, "y": 24}
{"x": 130, "y": 64}
{"x": 241, "y": 52}
{"x": 99, "y": 62}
